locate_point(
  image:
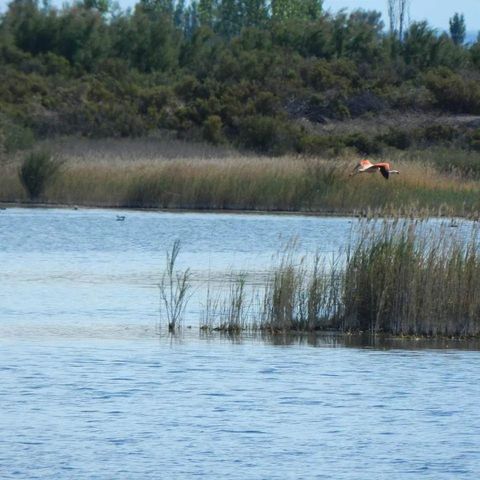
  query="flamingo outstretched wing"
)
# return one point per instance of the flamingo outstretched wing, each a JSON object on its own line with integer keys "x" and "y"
{"x": 384, "y": 168}
{"x": 362, "y": 166}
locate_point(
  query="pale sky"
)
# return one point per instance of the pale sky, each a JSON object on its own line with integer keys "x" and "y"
{"x": 436, "y": 12}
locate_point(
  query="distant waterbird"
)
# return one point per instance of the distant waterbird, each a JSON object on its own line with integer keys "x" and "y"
{"x": 366, "y": 166}
{"x": 120, "y": 218}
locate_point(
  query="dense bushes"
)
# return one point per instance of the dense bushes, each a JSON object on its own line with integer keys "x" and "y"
{"x": 267, "y": 135}
{"x": 454, "y": 92}
{"x": 225, "y": 71}
{"x": 13, "y": 136}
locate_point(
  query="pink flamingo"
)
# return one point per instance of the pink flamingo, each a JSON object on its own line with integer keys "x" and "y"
{"x": 366, "y": 166}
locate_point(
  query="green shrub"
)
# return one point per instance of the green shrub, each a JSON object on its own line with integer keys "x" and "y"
{"x": 453, "y": 92}
{"x": 320, "y": 76}
{"x": 267, "y": 104}
{"x": 338, "y": 109}
{"x": 363, "y": 143}
{"x": 37, "y": 171}
{"x": 212, "y": 130}
{"x": 18, "y": 138}
{"x": 154, "y": 99}
{"x": 315, "y": 144}
{"x": 475, "y": 54}
{"x": 14, "y": 137}
{"x": 55, "y": 64}
{"x": 439, "y": 133}
{"x": 474, "y": 140}
{"x": 407, "y": 96}
{"x": 397, "y": 138}
{"x": 268, "y": 135}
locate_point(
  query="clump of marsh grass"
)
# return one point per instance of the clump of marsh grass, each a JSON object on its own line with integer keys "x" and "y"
{"x": 407, "y": 278}
{"x": 37, "y": 170}
{"x": 174, "y": 288}
{"x": 211, "y": 308}
{"x": 401, "y": 277}
{"x": 235, "y": 309}
{"x": 301, "y": 295}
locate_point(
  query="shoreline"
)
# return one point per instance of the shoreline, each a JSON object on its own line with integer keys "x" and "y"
{"x": 4, "y": 205}
{"x": 52, "y": 205}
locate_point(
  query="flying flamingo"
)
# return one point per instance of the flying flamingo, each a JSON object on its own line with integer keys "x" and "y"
{"x": 366, "y": 166}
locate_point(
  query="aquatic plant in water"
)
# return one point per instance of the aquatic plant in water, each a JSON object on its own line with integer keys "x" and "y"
{"x": 400, "y": 277}
{"x": 174, "y": 288}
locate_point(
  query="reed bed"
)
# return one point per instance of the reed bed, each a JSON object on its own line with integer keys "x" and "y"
{"x": 406, "y": 278}
{"x": 166, "y": 175}
{"x": 401, "y": 277}
{"x": 301, "y": 295}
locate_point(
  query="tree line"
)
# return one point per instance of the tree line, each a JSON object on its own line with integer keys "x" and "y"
{"x": 254, "y": 73}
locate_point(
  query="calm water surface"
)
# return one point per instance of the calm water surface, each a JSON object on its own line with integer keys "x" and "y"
{"x": 91, "y": 389}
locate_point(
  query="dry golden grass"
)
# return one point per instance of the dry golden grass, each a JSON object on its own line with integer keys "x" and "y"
{"x": 172, "y": 174}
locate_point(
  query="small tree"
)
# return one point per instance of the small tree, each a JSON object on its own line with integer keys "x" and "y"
{"x": 37, "y": 171}
{"x": 457, "y": 29}
{"x": 212, "y": 129}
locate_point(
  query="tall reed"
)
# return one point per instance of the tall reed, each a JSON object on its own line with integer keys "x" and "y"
{"x": 407, "y": 278}
{"x": 174, "y": 288}
{"x": 400, "y": 277}
{"x": 301, "y": 295}
{"x": 298, "y": 295}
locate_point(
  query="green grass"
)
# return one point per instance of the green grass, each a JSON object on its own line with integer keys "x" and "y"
{"x": 401, "y": 277}
{"x": 403, "y": 280}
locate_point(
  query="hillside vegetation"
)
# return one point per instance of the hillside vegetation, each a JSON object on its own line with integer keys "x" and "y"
{"x": 273, "y": 77}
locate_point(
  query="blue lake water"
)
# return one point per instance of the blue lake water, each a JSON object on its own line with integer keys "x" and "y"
{"x": 91, "y": 388}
